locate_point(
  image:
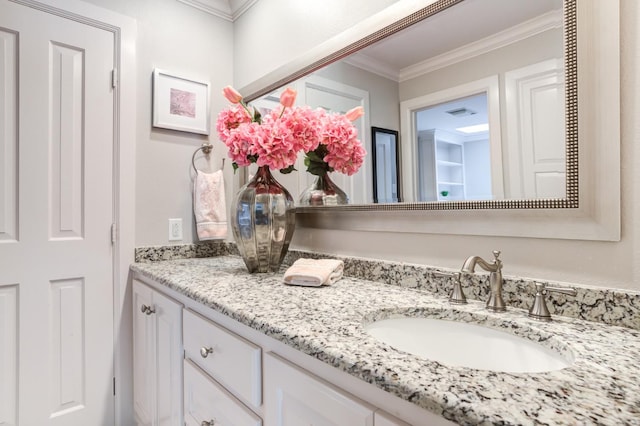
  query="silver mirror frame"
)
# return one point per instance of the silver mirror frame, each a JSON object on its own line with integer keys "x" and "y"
{"x": 571, "y": 112}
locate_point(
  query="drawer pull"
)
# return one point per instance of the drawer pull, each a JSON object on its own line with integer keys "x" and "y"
{"x": 208, "y": 423}
{"x": 204, "y": 352}
{"x": 147, "y": 310}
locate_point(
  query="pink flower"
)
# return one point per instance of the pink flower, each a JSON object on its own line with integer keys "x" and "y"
{"x": 288, "y": 97}
{"x": 240, "y": 144}
{"x": 345, "y": 152}
{"x": 355, "y": 113}
{"x": 230, "y": 119}
{"x": 232, "y": 95}
{"x": 305, "y": 125}
{"x": 276, "y": 148}
{"x": 276, "y": 138}
{"x": 347, "y": 157}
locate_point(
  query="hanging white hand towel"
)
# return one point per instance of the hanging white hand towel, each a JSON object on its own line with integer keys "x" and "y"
{"x": 209, "y": 206}
{"x": 314, "y": 272}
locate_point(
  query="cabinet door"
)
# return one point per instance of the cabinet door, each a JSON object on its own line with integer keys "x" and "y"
{"x": 157, "y": 357}
{"x": 169, "y": 356}
{"x": 294, "y": 397}
{"x": 384, "y": 419}
{"x": 143, "y": 356}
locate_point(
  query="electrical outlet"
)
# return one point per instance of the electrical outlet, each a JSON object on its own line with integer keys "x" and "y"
{"x": 175, "y": 229}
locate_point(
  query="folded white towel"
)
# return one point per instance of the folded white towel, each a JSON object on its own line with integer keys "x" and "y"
{"x": 209, "y": 205}
{"x": 314, "y": 272}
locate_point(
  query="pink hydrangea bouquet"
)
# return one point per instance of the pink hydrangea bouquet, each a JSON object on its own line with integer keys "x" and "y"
{"x": 329, "y": 141}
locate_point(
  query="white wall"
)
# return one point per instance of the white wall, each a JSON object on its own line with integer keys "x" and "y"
{"x": 383, "y": 93}
{"x": 273, "y": 32}
{"x": 477, "y": 170}
{"x": 181, "y": 39}
{"x": 609, "y": 264}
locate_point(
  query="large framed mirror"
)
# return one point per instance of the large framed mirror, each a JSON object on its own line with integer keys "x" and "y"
{"x": 565, "y": 163}
{"x": 452, "y": 64}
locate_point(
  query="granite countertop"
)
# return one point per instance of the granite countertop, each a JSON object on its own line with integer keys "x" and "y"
{"x": 601, "y": 387}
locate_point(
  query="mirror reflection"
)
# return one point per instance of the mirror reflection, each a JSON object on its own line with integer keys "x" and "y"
{"x": 384, "y": 156}
{"x": 453, "y": 150}
{"x": 496, "y": 63}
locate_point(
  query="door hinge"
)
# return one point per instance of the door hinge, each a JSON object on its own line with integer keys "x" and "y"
{"x": 114, "y": 78}
{"x": 114, "y": 386}
{"x": 114, "y": 233}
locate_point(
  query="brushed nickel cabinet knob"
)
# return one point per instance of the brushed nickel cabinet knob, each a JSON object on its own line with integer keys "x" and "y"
{"x": 204, "y": 352}
{"x": 147, "y": 310}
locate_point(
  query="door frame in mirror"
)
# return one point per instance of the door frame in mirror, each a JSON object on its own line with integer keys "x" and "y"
{"x": 408, "y": 109}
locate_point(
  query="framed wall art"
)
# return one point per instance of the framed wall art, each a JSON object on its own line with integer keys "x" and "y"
{"x": 180, "y": 103}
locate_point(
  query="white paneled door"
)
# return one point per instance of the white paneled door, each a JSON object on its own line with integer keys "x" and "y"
{"x": 56, "y": 210}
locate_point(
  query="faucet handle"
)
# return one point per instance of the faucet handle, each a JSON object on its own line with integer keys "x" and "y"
{"x": 456, "y": 296}
{"x": 496, "y": 254}
{"x": 539, "y": 310}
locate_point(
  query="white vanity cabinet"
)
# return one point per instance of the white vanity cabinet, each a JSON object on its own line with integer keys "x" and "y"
{"x": 191, "y": 359}
{"x": 294, "y": 397}
{"x": 157, "y": 357}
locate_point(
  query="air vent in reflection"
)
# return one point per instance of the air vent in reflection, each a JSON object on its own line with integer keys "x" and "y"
{"x": 461, "y": 112}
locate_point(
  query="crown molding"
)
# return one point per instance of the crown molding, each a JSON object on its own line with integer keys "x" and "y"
{"x": 537, "y": 25}
{"x": 540, "y": 24}
{"x": 370, "y": 64}
{"x": 229, "y": 10}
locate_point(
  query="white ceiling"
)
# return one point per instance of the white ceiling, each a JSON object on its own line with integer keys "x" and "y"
{"x": 437, "y": 116}
{"x": 464, "y": 24}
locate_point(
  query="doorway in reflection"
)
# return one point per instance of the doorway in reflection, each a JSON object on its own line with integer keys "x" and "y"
{"x": 454, "y": 161}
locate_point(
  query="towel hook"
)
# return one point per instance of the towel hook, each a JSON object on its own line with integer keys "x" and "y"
{"x": 206, "y": 149}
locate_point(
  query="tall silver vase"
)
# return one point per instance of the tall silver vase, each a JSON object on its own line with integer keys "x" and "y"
{"x": 263, "y": 220}
{"x": 323, "y": 192}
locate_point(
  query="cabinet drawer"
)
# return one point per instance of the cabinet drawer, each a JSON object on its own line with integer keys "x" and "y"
{"x": 229, "y": 359}
{"x": 206, "y": 402}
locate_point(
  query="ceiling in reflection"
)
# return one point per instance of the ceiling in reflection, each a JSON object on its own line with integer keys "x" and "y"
{"x": 395, "y": 56}
{"x": 454, "y": 115}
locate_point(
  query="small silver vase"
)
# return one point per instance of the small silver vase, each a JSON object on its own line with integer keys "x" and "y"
{"x": 323, "y": 192}
{"x": 263, "y": 220}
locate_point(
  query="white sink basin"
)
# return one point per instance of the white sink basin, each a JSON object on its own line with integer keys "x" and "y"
{"x": 460, "y": 344}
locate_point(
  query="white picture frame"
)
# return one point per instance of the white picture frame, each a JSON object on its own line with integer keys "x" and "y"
{"x": 180, "y": 103}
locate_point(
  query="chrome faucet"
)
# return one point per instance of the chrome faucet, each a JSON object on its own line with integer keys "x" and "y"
{"x": 495, "y": 302}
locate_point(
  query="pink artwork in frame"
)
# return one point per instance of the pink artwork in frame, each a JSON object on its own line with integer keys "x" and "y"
{"x": 180, "y": 103}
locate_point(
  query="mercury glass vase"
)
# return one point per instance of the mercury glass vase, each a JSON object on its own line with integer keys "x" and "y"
{"x": 263, "y": 220}
{"x": 323, "y": 192}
